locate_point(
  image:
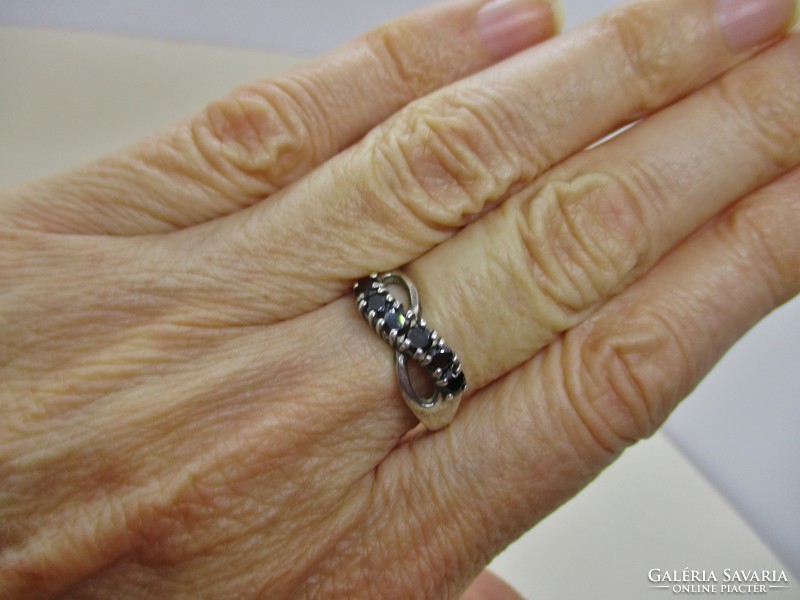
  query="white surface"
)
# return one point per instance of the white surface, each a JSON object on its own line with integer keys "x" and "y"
{"x": 739, "y": 426}
{"x": 649, "y": 510}
{"x": 304, "y": 27}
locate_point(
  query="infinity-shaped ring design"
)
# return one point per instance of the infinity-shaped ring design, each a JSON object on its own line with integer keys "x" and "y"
{"x": 409, "y": 336}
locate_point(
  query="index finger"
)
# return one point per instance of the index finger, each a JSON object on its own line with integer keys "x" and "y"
{"x": 265, "y": 135}
{"x": 452, "y": 155}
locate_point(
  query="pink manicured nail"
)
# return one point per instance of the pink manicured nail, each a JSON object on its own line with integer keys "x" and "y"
{"x": 748, "y": 23}
{"x": 508, "y": 26}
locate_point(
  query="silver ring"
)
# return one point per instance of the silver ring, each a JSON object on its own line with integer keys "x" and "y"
{"x": 409, "y": 336}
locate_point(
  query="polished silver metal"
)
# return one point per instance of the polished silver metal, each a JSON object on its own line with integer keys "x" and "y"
{"x": 438, "y": 410}
{"x": 407, "y": 285}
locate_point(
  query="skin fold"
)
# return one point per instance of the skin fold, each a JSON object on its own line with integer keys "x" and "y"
{"x": 190, "y": 404}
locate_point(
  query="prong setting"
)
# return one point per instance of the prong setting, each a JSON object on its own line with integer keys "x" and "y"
{"x": 409, "y": 336}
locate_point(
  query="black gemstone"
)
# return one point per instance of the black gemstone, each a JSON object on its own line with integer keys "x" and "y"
{"x": 442, "y": 357}
{"x": 379, "y": 303}
{"x": 455, "y": 383}
{"x": 419, "y": 337}
{"x": 364, "y": 286}
{"x": 394, "y": 321}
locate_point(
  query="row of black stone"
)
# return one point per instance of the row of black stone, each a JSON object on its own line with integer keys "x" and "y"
{"x": 409, "y": 335}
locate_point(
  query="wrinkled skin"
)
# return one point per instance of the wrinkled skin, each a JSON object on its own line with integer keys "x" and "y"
{"x": 190, "y": 405}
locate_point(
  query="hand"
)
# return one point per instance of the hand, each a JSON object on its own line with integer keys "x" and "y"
{"x": 191, "y": 406}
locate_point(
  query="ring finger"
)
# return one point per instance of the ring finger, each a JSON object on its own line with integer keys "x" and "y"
{"x": 450, "y": 156}
{"x": 557, "y": 249}
{"x": 510, "y": 283}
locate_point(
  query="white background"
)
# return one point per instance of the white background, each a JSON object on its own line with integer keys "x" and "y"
{"x": 306, "y": 27}
{"x": 739, "y": 427}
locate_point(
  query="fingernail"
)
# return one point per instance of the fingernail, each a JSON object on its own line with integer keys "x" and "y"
{"x": 508, "y": 26}
{"x": 748, "y": 23}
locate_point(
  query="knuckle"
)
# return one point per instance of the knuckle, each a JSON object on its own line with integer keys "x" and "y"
{"x": 622, "y": 383}
{"x": 647, "y": 56}
{"x": 763, "y": 231}
{"x": 261, "y": 136}
{"x": 444, "y": 160}
{"x": 765, "y": 103}
{"x": 403, "y": 52}
{"x": 581, "y": 240}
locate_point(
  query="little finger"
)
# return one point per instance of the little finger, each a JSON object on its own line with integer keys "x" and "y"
{"x": 529, "y": 442}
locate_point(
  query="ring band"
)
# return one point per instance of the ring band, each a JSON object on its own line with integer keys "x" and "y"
{"x": 409, "y": 336}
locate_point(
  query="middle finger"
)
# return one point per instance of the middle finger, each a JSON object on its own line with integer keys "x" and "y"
{"x": 441, "y": 162}
{"x": 559, "y": 248}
